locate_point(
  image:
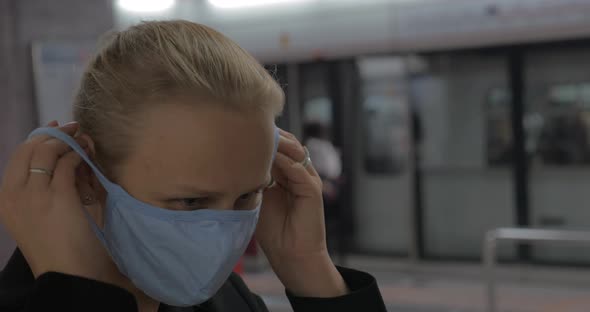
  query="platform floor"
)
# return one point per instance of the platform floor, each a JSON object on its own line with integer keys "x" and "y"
{"x": 455, "y": 287}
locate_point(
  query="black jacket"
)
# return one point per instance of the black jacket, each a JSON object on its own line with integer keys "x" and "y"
{"x": 19, "y": 291}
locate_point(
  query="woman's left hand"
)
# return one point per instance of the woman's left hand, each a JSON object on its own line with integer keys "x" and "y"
{"x": 291, "y": 229}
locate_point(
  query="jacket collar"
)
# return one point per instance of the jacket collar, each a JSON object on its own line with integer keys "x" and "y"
{"x": 16, "y": 281}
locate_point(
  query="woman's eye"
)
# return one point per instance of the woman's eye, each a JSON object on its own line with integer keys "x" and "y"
{"x": 246, "y": 196}
{"x": 249, "y": 200}
{"x": 190, "y": 203}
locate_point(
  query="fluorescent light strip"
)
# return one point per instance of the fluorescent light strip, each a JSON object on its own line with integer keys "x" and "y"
{"x": 146, "y": 6}
{"x": 234, "y": 4}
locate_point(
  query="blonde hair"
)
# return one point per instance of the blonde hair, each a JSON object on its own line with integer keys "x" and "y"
{"x": 139, "y": 67}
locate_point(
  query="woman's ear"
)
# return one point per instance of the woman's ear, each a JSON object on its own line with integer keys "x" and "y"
{"x": 84, "y": 183}
{"x": 88, "y": 187}
{"x": 90, "y": 149}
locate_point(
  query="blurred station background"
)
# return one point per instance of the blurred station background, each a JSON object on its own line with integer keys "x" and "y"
{"x": 450, "y": 118}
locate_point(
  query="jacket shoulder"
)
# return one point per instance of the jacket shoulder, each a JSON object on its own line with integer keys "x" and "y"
{"x": 235, "y": 295}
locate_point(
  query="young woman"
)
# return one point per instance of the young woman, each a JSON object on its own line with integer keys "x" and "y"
{"x": 147, "y": 200}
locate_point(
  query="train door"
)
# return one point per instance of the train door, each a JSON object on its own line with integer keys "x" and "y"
{"x": 382, "y": 162}
{"x": 465, "y": 152}
{"x": 327, "y": 95}
{"x": 557, "y": 86}
{"x": 364, "y": 105}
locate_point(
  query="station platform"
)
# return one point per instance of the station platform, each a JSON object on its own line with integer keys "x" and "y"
{"x": 455, "y": 287}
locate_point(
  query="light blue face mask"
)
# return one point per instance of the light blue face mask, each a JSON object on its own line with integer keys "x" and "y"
{"x": 180, "y": 258}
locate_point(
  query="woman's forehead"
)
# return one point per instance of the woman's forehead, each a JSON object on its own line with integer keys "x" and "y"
{"x": 217, "y": 147}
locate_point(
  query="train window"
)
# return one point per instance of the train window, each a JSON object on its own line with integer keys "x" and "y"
{"x": 564, "y": 138}
{"x": 576, "y": 95}
{"x": 318, "y": 109}
{"x": 563, "y": 95}
{"x": 386, "y": 134}
{"x": 499, "y": 129}
{"x": 557, "y": 129}
{"x": 585, "y": 94}
{"x": 317, "y": 103}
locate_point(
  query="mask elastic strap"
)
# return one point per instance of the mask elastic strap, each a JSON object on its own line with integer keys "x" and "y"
{"x": 276, "y": 146}
{"x": 76, "y": 147}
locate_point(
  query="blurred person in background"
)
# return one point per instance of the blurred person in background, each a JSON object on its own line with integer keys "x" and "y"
{"x": 147, "y": 201}
{"x": 328, "y": 164}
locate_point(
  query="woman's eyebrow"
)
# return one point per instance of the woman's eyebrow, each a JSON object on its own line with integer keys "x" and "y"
{"x": 191, "y": 189}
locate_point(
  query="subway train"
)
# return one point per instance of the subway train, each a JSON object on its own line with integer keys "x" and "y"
{"x": 452, "y": 117}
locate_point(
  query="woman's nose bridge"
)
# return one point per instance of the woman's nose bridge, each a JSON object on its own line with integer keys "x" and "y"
{"x": 227, "y": 202}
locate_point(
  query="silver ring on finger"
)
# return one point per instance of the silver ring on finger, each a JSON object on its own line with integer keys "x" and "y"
{"x": 41, "y": 171}
{"x": 307, "y": 161}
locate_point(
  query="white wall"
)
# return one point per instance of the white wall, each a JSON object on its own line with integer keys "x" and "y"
{"x": 22, "y": 22}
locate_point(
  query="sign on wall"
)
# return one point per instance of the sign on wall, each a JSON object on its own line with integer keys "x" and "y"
{"x": 57, "y": 70}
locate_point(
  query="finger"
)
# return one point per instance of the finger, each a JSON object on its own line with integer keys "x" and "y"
{"x": 287, "y": 134}
{"x": 277, "y": 175}
{"x": 46, "y": 156}
{"x": 17, "y": 168}
{"x": 297, "y": 152}
{"x": 291, "y": 148}
{"x": 64, "y": 177}
{"x": 53, "y": 123}
{"x": 311, "y": 169}
{"x": 33, "y": 143}
{"x": 16, "y": 173}
{"x": 70, "y": 129}
{"x": 296, "y": 178}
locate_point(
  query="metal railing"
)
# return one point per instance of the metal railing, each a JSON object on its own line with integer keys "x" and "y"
{"x": 519, "y": 235}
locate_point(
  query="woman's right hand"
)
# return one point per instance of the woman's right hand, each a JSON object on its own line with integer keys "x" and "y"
{"x": 43, "y": 212}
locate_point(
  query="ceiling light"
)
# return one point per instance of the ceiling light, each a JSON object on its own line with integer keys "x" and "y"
{"x": 232, "y": 4}
{"x": 145, "y": 6}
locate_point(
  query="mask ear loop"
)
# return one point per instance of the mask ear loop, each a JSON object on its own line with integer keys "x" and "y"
{"x": 276, "y": 146}
{"x": 76, "y": 147}
{"x": 273, "y": 182}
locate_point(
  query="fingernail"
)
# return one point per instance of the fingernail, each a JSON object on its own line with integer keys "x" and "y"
{"x": 70, "y": 124}
{"x": 52, "y": 123}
